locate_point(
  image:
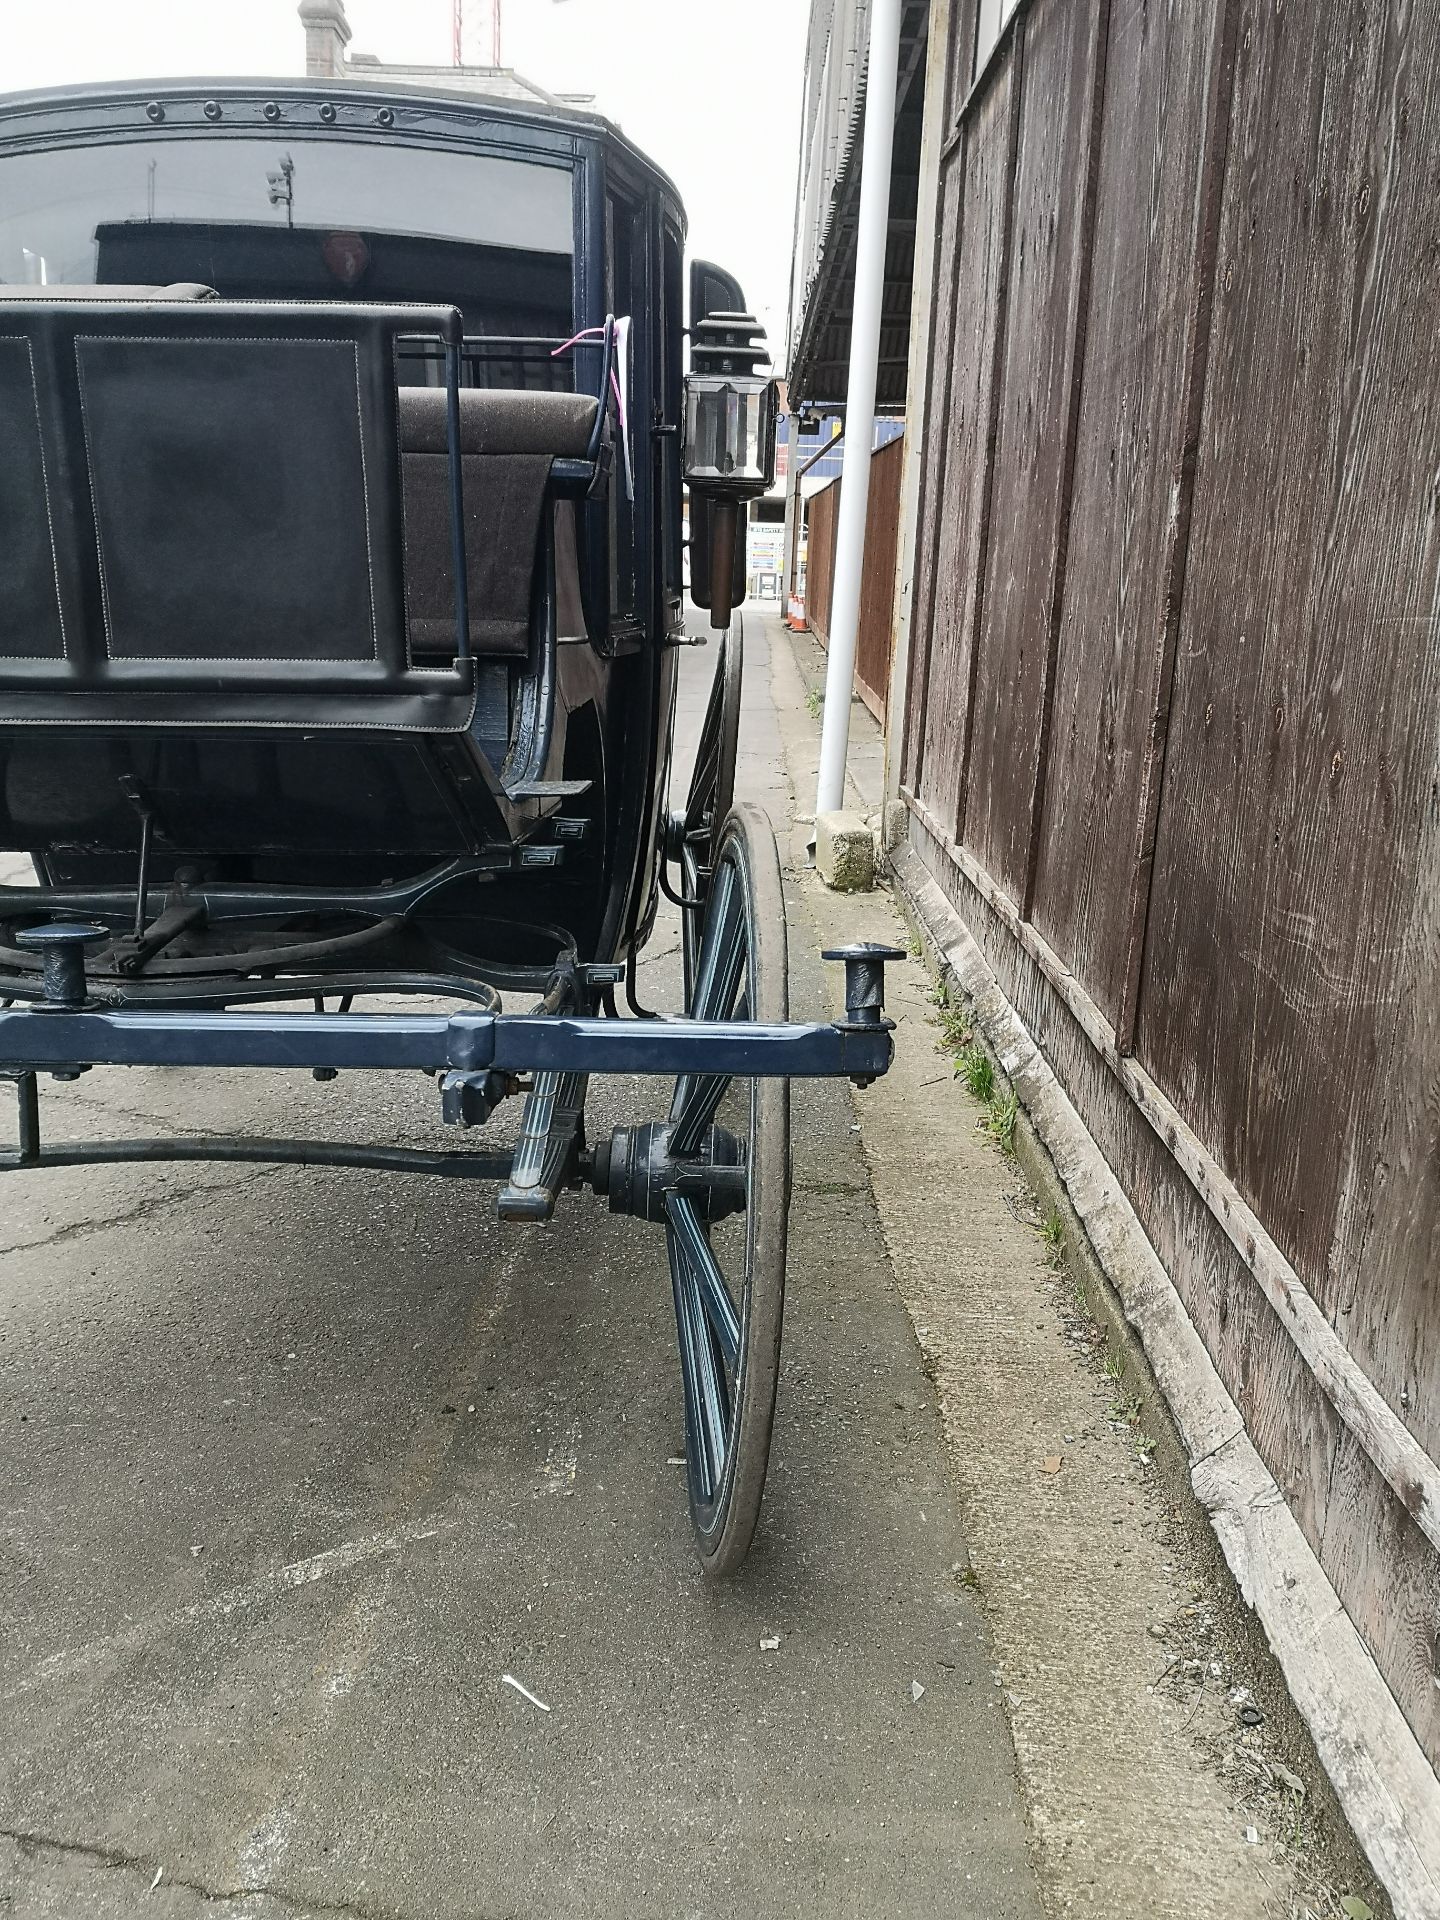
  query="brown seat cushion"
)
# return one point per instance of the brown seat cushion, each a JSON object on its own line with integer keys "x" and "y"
{"x": 508, "y": 440}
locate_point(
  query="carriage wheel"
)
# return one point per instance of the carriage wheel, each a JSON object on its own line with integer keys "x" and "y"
{"x": 728, "y": 1275}
{"x": 712, "y": 790}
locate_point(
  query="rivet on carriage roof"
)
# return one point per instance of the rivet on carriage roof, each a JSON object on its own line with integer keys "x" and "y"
{"x": 386, "y": 116}
{"x": 212, "y": 109}
{"x": 327, "y": 113}
{"x": 272, "y": 110}
{"x": 154, "y": 110}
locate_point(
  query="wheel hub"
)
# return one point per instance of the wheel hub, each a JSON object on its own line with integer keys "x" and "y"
{"x": 635, "y": 1170}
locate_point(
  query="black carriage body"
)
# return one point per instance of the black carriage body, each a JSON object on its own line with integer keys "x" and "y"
{"x": 340, "y": 588}
{"x": 353, "y": 748}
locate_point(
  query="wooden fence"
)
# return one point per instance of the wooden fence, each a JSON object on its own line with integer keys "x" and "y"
{"x": 1172, "y": 742}
{"x": 875, "y": 641}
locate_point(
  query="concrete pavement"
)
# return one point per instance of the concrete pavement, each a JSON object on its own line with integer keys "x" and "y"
{"x": 300, "y": 1465}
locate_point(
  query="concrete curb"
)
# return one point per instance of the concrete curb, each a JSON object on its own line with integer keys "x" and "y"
{"x": 1383, "y": 1784}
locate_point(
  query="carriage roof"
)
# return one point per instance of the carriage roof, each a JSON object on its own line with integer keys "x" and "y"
{"x": 427, "y": 115}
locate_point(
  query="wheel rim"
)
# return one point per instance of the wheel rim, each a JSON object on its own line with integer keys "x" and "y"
{"x": 712, "y": 789}
{"x": 727, "y": 1277}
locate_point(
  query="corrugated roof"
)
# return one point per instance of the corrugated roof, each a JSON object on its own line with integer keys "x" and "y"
{"x": 826, "y": 232}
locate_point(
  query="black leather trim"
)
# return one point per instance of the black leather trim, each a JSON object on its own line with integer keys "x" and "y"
{"x": 31, "y": 623}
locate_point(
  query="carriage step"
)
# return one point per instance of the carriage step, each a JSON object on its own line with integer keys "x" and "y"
{"x": 547, "y": 1153}
{"x": 548, "y": 789}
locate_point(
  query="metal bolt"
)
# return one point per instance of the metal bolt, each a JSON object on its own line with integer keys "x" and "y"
{"x": 154, "y": 111}
{"x": 212, "y": 109}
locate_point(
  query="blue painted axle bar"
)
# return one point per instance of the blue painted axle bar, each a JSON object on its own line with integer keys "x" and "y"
{"x": 41, "y": 1039}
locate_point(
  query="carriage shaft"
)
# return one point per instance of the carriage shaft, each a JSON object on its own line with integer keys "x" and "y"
{"x": 49, "y": 1039}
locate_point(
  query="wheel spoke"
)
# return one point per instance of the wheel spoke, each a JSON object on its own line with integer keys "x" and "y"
{"x": 707, "y": 753}
{"x": 719, "y": 974}
{"x": 707, "y": 1416}
{"x": 710, "y": 1282}
{"x": 699, "y": 1095}
{"x": 724, "y": 948}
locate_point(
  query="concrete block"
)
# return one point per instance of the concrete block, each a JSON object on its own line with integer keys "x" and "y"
{"x": 844, "y": 852}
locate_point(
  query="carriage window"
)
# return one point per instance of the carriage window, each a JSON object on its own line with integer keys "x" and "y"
{"x": 300, "y": 219}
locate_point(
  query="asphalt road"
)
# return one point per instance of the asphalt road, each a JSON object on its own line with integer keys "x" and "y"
{"x": 299, "y": 1466}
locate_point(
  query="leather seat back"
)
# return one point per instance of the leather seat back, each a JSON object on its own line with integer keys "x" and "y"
{"x": 508, "y": 440}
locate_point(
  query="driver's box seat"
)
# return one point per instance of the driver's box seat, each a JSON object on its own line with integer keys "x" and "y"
{"x": 223, "y": 518}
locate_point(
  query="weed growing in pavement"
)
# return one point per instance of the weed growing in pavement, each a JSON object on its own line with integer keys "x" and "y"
{"x": 1000, "y": 1121}
{"x": 1052, "y": 1232}
{"x": 1113, "y": 1365}
{"x": 973, "y": 1066}
{"x": 1144, "y": 1446}
{"x": 955, "y": 1030}
{"x": 914, "y": 948}
{"x": 815, "y": 702}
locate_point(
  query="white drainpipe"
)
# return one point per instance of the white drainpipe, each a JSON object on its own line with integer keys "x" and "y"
{"x": 883, "y": 77}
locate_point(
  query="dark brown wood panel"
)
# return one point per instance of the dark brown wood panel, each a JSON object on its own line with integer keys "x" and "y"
{"x": 1300, "y": 760}
{"x": 1237, "y": 852}
{"x": 960, "y": 529}
{"x": 1030, "y": 491}
{"x": 875, "y": 643}
{"x": 820, "y": 517}
{"x": 875, "y": 639}
{"x": 1131, "y": 485}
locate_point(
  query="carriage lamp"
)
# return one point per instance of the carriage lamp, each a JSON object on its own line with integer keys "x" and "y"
{"x": 730, "y": 409}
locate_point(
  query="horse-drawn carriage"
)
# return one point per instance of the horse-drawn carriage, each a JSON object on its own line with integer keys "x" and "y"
{"x": 343, "y": 434}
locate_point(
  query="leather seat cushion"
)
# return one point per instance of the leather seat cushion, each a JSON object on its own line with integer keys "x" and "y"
{"x": 496, "y": 420}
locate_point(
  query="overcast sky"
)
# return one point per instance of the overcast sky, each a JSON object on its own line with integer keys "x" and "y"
{"x": 708, "y": 88}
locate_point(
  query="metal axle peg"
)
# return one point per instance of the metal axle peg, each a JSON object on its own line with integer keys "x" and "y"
{"x": 61, "y": 945}
{"x": 864, "y": 980}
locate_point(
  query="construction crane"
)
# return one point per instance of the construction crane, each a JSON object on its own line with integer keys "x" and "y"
{"x": 481, "y": 10}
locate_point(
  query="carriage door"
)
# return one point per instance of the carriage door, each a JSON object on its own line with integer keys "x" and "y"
{"x": 669, "y": 413}
{"x": 625, "y": 294}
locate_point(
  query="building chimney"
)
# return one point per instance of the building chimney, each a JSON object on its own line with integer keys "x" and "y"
{"x": 327, "y": 33}
{"x": 478, "y": 39}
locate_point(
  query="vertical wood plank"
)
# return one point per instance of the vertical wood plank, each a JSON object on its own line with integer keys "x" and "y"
{"x": 934, "y": 492}
{"x": 1021, "y": 562}
{"x": 1077, "y": 319}
{"x": 877, "y": 585}
{"x": 821, "y": 514}
{"x": 1161, "y": 161}
{"x": 980, "y": 330}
